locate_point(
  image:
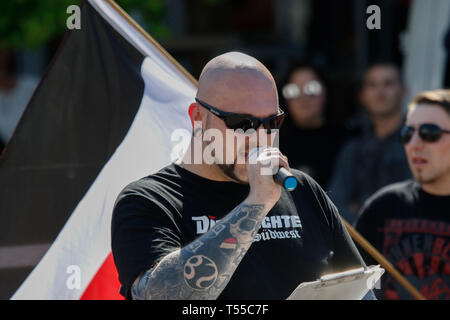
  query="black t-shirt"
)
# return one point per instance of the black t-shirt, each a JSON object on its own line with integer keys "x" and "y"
{"x": 300, "y": 239}
{"x": 411, "y": 228}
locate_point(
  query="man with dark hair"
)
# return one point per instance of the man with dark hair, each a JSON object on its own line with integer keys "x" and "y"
{"x": 409, "y": 222}
{"x": 376, "y": 157}
{"x": 226, "y": 230}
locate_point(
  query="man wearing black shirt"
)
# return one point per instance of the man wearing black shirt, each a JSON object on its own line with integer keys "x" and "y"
{"x": 409, "y": 222}
{"x": 227, "y": 231}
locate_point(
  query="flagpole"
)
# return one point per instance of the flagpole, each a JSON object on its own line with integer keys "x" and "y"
{"x": 383, "y": 261}
{"x": 353, "y": 233}
{"x": 163, "y": 51}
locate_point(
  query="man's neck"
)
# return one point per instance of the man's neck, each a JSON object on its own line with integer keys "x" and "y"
{"x": 202, "y": 169}
{"x": 384, "y": 126}
{"x": 439, "y": 187}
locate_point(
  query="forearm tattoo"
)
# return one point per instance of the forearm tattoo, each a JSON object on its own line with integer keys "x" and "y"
{"x": 202, "y": 269}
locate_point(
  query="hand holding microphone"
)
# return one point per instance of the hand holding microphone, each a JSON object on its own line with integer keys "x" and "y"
{"x": 268, "y": 170}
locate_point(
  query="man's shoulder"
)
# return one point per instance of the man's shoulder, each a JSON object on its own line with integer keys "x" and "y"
{"x": 304, "y": 178}
{"x": 399, "y": 191}
{"x": 313, "y": 187}
{"x": 151, "y": 187}
{"x": 393, "y": 199}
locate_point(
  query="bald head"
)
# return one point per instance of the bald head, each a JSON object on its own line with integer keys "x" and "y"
{"x": 232, "y": 82}
{"x": 236, "y": 82}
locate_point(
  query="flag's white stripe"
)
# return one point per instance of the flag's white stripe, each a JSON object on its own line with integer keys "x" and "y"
{"x": 85, "y": 239}
{"x": 133, "y": 36}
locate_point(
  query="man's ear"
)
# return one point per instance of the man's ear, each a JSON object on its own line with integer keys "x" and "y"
{"x": 190, "y": 112}
{"x": 196, "y": 114}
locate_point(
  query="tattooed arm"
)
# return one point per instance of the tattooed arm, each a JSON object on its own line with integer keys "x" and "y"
{"x": 202, "y": 269}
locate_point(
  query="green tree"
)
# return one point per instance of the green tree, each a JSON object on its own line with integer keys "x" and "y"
{"x": 31, "y": 24}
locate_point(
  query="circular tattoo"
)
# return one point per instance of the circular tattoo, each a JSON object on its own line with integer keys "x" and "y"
{"x": 200, "y": 272}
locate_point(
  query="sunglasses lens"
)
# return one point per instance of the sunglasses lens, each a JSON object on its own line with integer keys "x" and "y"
{"x": 406, "y": 134}
{"x": 236, "y": 121}
{"x": 312, "y": 88}
{"x": 274, "y": 123}
{"x": 291, "y": 91}
{"x": 430, "y": 132}
{"x": 243, "y": 122}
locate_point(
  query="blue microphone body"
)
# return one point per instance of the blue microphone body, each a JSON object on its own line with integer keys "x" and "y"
{"x": 283, "y": 177}
{"x": 286, "y": 179}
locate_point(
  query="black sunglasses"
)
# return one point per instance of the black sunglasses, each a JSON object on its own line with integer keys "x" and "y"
{"x": 427, "y": 132}
{"x": 245, "y": 122}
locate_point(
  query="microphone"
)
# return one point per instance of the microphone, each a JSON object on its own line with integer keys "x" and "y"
{"x": 285, "y": 179}
{"x": 282, "y": 177}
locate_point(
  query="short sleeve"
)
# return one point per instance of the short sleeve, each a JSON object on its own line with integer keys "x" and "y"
{"x": 142, "y": 233}
{"x": 346, "y": 255}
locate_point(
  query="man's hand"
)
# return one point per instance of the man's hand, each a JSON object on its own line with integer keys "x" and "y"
{"x": 262, "y": 164}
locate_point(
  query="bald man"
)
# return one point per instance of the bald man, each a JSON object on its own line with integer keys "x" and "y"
{"x": 225, "y": 229}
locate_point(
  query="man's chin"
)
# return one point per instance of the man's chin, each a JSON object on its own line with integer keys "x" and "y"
{"x": 237, "y": 172}
{"x": 240, "y": 171}
{"x": 423, "y": 178}
{"x": 383, "y": 111}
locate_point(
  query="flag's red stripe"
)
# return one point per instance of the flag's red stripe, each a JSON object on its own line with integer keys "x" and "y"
{"x": 105, "y": 284}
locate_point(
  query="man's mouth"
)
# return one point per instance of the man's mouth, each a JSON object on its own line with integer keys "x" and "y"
{"x": 419, "y": 162}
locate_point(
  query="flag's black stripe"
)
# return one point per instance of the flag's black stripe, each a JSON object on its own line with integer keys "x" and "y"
{"x": 80, "y": 113}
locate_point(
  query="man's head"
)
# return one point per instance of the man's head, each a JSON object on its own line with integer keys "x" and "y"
{"x": 238, "y": 83}
{"x": 382, "y": 90}
{"x": 429, "y": 160}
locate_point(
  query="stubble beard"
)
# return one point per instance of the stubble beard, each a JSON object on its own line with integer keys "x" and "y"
{"x": 230, "y": 171}
{"x": 432, "y": 178}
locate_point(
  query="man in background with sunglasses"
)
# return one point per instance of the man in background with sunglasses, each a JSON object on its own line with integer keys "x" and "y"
{"x": 224, "y": 229}
{"x": 409, "y": 222}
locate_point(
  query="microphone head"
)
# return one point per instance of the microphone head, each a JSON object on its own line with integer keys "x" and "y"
{"x": 290, "y": 183}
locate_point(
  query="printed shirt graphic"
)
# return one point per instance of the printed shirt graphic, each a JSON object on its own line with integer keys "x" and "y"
{"x": 420, "y": 249}
{"x": 272, "y": 227}
{"x": 412, "y": 230}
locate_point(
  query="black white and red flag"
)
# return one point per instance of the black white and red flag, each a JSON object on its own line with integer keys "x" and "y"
{"x": 101, "y": 117}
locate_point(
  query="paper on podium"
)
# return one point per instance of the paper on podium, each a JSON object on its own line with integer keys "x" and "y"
{"x": 349, "y": 285}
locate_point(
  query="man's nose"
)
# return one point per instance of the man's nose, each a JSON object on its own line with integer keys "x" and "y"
{"x": 416, "y": 141}
{"x": 266, "y": 137}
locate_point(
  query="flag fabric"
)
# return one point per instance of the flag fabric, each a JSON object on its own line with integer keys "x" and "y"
{"x": 101, "y": 117}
